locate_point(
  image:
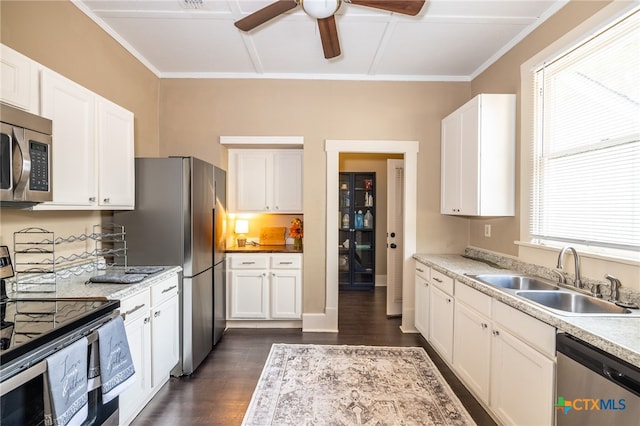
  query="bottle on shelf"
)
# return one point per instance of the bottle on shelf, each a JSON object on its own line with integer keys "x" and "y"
{"x": 359, "y": 220}
{"x": 366, "y": 199}
{"x": 368, "y": 220}
{"x": 370, "y": 201}
{"x": 345, "y": 220}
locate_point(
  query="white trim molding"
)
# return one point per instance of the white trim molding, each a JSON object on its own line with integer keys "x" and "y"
{"x": 329, "y": 319}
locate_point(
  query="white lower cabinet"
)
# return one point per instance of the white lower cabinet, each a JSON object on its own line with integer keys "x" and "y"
{"x": 505, "y": 358}
{"x": 422, "y": 296}
{"x": 264, "y": 286}
{"x": 151, "y": 323}
{"x": 441, "y": 311}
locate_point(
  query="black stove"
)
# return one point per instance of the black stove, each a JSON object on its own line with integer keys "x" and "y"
{"x": 32, "y": 329}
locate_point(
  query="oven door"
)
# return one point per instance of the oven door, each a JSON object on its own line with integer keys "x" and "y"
{"x": 22, "y": 401}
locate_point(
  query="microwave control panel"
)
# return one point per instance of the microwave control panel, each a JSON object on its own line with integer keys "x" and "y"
{"x": 39, "y": 179}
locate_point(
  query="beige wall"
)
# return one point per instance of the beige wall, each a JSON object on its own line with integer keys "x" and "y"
{"x": 59, "y": 36}
{"x": 195, "y": 113}
{"x": 187, "y": 117}
{"x": 504, "y": 77}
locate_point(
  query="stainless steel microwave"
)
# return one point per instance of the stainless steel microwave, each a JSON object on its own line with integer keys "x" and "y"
{"x": 25, "y": 158}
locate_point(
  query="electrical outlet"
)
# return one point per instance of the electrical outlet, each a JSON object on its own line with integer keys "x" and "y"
{"x": 487, "y": 230}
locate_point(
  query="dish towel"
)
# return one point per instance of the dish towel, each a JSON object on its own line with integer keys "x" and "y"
{"x": 65, "y": 386}
{"x": 116, "y": 366}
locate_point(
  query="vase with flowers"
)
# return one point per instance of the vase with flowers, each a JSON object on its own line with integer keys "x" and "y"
{"x": 295, "y": 232}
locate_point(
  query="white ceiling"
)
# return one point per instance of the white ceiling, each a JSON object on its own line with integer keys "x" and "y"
{"x": 450, "y": 40}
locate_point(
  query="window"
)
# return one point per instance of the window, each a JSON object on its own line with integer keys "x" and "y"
{"x": 586, "y": 153}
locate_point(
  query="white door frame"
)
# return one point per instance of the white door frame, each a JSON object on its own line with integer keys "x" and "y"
{"x": 328, "y": 321}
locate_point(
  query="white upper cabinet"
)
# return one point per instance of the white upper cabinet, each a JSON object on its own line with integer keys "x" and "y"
{"x": 93, "y": 148}
{"x": 71, "y": 108}
{"x": 478, "y": 158}
{"x": 265, "y": 180}
{"x": 116, "y": 164}
{"x": 18, "y": 80}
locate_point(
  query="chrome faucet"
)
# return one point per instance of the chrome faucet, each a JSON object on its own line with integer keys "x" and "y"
{"x": 576, "y": 259}
{"x": 615, "y": 288}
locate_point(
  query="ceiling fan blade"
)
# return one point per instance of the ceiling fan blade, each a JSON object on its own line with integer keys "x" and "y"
{"x": 406, "y": 7}
{"x": 265, "y": 14}
{"x": 329, "y": 37}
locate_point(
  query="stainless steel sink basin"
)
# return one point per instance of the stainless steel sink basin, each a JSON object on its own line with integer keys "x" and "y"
{"x": 515, "y": 281}
{"x": 567, "y": 303}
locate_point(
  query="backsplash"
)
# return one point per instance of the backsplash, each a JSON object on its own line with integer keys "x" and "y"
{"x": 495, "y": 259}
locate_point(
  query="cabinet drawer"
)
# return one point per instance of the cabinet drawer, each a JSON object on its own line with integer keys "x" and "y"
{"x": 249, "y": 262}
{"x": 474, "y": 299}
{"x": 534, "y": 332}
{"x": 164, "y": 290}
{"x": 423, "y": 271}
{"x": 134, "y": 306}
{"x": 442, "y": 281}
{"x": 286, "y": 261}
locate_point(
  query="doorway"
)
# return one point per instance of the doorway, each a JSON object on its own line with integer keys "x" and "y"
{"x": 328, "y": 321}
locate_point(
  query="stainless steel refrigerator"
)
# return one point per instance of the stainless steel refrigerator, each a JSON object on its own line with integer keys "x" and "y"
{"x": 180, "y": 219}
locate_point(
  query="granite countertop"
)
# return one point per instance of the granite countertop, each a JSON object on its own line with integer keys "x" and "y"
{"x": 78, "y": 285}
{"x": 263, "y": 249}
{"x": 615, "y": 335}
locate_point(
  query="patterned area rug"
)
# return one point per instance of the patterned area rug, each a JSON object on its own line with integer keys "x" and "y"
{"x": 352, "y": 385}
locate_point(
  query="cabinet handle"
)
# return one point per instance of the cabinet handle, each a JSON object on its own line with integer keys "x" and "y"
{"x": 92, "y": 199}
{"x": 484, "y": 325}
{"x": 448, "y": 300}
{"x": 496, "y": 333}
{"x": 146, "y": 320}
{"x": 273, "y": 274}
{"x": 248, "y": 263}
{"x": 156, "y": 314}
{"x": 106, "y": 200}
{"x": 419, "y": 270}
{"x": 166, "y": 290}
{"x": 437, "y": 280}
{"x": 136, "y": 308}
{"x": 277, "y": 208}
{"x": 266, "y": 208}
{"x": 285, "y": 263}
{"x": 426, "y": 284}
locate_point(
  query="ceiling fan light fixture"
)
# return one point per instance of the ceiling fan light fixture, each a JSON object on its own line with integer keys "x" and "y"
{"x": 320, "y": 9}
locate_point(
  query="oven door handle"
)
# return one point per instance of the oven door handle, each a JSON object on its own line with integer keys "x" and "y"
{"x": 23, "y": 377}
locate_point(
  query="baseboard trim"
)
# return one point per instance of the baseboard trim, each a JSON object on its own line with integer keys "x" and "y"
{"x": 321, "y": 322}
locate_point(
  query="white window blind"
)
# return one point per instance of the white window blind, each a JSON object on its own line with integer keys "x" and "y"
{"x": 586, "y": 153}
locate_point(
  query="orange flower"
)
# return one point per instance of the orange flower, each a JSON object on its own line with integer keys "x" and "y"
{"x": 295, "y": 231}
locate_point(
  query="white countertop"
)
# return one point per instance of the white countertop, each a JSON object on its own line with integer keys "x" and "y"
{"x": 615, "y": 335}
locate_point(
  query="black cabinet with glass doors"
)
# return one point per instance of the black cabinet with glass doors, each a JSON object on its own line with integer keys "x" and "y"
{"x": 356, "y": 231}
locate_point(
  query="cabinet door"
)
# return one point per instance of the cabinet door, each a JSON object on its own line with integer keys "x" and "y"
{"x": 248, "y": 295}
{"x": 71, "y": 107}
{"x": 469, "y": 157}
{"x": 450, "y": 165}
{"x": 422, "y": 306}
{"x": 15, "y": 79}
{"x": 472, "y": 350}
{"x": 441, "y": 322}
{"x": 286, "y": 294}
{"x": 253, "y": 181}
{"x": 287, "y": 182}
{"x": 165, "y": 339}
{"x": 139, "y": 337}
{"x": 522, "y": 382}
{"x": 116, "y": 174}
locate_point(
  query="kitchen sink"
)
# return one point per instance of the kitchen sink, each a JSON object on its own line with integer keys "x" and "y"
{"x": 568, "y": 303}
{"x": 514, "y": 281}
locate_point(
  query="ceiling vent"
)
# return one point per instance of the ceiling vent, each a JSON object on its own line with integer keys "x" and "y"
{"x": 191, "y": 4}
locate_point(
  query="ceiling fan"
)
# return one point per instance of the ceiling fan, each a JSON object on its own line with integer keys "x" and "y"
{"x": 323, "y": 11}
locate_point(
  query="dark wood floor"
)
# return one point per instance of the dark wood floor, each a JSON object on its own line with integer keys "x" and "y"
{"x": 220, "y": 390}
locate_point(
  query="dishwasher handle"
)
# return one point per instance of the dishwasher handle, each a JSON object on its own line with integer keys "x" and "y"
{"x": 606, "y": 365}
{"x": 621, "y": 379}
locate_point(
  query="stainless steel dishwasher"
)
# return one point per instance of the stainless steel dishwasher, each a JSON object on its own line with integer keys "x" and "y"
{"x": 594, "y": 387}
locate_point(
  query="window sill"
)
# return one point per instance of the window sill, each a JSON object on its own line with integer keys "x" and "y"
{"x": 585, "y": 252}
